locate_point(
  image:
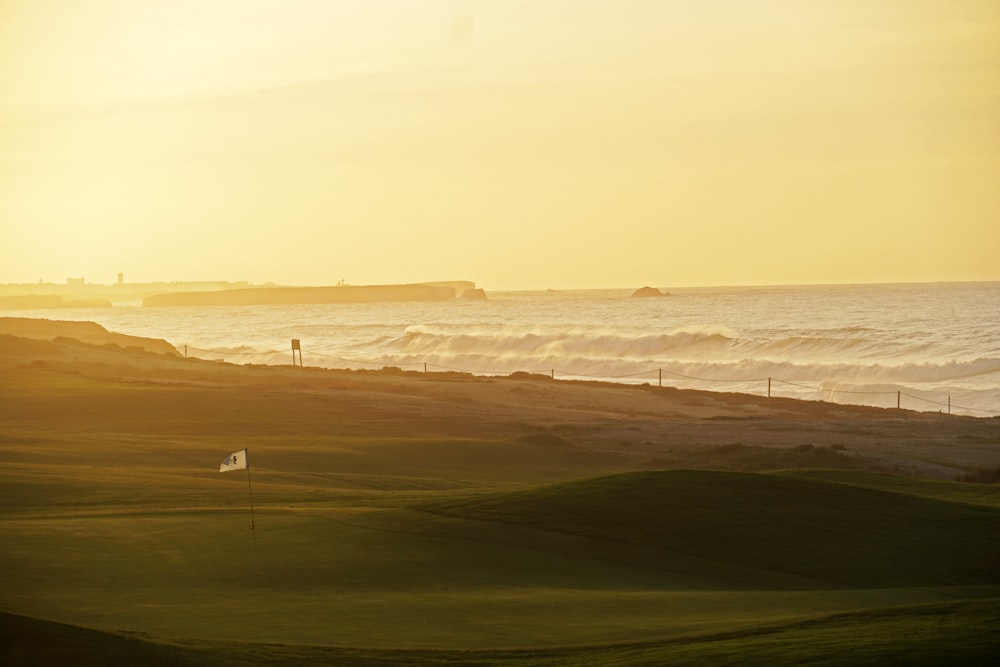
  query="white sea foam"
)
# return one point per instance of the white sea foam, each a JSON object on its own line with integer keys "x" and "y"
{"x": 511, "y": 342}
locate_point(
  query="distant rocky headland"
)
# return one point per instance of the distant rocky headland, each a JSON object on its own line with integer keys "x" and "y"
{"x": 262, "y": 296}
{"x": 48, "y": 301}
{"x": 76, "y": 293}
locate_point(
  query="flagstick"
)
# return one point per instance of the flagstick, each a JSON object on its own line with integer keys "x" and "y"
{"x": 253, "y": 528}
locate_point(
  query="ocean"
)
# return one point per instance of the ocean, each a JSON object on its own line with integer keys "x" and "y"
{"x": 920, "y": 346}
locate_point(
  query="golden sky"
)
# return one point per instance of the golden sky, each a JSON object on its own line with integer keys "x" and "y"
{"x": 517, "y": 143}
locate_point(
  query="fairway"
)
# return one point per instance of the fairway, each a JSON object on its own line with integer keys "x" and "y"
{"x": 637, "y": 556}
{"x": 398, "y": 514}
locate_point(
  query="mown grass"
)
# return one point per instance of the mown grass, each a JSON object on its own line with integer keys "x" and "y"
{"x": 354, "y": 579}
{"x": 607, "y": 560}
{"x": 388, "y": 534}
{"x": 952, "y": 633}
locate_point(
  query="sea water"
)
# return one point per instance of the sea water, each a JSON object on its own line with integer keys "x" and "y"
{"x": 921, "y": 346}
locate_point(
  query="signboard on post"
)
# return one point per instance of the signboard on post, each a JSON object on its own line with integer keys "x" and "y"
{"x": 296, "y": 347}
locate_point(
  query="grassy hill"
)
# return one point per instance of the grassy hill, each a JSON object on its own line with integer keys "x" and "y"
{"x": 650, "y": 556}
{"x": 819, "y": 534}
{"x": 985, "y": 495}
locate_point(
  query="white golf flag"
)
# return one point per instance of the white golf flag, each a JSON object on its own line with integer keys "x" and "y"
{"x": 235, "y": 461}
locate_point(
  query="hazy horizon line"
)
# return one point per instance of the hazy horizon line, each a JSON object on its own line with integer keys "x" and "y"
{"x": 271, "y": 283}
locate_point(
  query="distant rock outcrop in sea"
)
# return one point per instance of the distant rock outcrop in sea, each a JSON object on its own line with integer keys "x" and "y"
{"x": 644, "y": 292}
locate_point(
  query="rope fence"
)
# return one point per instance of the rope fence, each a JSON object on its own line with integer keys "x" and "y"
{"x": 553, "y": 372}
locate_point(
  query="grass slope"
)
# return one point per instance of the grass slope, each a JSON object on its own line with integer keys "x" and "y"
{"x": 824, "y": 533}
{"x": 987, "y": 495}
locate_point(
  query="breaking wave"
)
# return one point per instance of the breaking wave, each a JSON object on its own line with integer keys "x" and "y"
{"x": 506, "y": 343}
{"x": 708, "y": 353}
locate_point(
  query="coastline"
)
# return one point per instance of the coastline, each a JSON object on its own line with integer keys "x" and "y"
{"x": 628, "y": 427}
{"x": 927, "y": 348}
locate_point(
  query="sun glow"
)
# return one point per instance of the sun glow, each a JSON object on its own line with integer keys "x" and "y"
{"x": 518, "y": 144}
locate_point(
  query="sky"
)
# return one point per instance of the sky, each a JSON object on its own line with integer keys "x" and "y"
{"x": 521, "y": 144}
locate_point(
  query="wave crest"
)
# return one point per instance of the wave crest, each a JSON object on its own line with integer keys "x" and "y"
{"x": 507, "y": 342}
